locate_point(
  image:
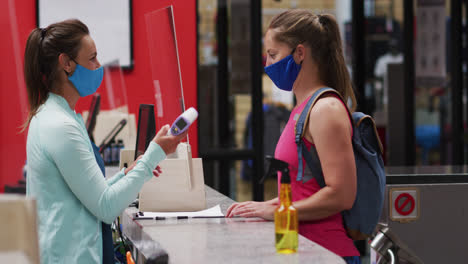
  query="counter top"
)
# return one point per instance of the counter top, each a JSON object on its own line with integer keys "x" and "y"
{"x": 217, "y": 240}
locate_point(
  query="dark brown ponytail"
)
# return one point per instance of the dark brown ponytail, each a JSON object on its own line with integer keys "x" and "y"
{"x": 37, "y": 90}
{"x": 335, "y": 73}
{"x": 43, "y": 48}
{"x": 322, "y": 35}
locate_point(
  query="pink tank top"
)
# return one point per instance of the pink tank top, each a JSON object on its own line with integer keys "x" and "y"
{"x": 329, "y": 232}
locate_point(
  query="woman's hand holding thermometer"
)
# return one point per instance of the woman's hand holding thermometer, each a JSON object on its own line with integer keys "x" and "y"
{"x": 167, "y": 141}
{"x": 169, "y": 137}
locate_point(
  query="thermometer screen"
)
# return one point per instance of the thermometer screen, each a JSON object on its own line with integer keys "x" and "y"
{"x": 181, "y": 123}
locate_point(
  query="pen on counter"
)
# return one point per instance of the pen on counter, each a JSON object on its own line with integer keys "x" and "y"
{"x": 170, "y": 217}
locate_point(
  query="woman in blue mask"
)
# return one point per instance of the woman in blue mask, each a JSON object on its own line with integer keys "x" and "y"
{"x": 304, "y": 54}
{"x": 73, "y": 197}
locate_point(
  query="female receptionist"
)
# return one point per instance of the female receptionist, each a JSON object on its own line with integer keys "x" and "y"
{"x": 73, "y": 197}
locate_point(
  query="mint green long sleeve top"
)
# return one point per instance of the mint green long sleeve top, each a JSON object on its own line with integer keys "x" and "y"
{"x": 73, "y": 198}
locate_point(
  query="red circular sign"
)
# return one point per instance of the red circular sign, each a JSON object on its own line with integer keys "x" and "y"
{"x": 405, "y": 198}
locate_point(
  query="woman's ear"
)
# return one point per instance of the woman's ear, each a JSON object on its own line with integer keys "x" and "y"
{"x": 65, "y": 63}
{"x": 300, "y": 53}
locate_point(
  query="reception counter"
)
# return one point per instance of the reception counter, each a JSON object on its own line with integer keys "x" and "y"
{"x": 215, "y": 240}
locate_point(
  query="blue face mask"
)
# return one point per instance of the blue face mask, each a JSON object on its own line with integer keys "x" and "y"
{"x": 284, "y": 72}
{"x": 86, "y": 81}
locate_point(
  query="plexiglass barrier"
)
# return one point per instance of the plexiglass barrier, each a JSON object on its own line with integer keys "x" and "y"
{"x": 115, "y": 91}
{"x": 165, "y": 67}
{"x": 113, "y": 115}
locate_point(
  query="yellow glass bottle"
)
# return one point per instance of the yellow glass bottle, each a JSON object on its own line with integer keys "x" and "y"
{"x": 286, "y": 221}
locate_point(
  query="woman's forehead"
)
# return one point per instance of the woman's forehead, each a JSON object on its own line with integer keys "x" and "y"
{"x": 87, "y": 45}
{"x": 270, "y": 41}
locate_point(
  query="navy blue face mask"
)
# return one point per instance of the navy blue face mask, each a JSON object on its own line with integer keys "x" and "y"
{"x": 86, "y": 81}
{"x": 284, "y": 72}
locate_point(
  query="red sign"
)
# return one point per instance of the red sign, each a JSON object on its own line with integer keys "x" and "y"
{"x": 402, "y": 201}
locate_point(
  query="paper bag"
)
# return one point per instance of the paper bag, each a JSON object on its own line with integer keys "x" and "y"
{"x": 175, "y": 190}
{"x": 180, "y": 186}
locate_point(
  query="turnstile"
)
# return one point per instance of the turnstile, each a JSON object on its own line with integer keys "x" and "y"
{"x": 425, "y": 216}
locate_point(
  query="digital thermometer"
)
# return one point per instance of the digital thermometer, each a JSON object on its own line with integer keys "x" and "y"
{"x": 182, "y": 123}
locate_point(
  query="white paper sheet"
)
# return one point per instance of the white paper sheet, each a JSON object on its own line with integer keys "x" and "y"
{"x": 214, "y": 211}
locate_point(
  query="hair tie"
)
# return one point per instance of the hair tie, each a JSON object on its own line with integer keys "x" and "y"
{"x": 320, "y": 19}
{"x": 43, "y": 33}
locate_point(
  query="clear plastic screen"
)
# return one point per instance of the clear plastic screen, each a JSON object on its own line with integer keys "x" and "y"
{"x": 14, "y": 40}
{"x": 165, "y": 69}
{"x": 113, "y": 107}
{"x": 113, "y": 87}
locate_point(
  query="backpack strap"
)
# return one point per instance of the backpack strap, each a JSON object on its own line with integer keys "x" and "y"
{"x": 313, "y": 168}
{"x": 299, "y": 131}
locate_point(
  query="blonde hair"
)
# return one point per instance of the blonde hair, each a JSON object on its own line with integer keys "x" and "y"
{"x": 322, "y": 35}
